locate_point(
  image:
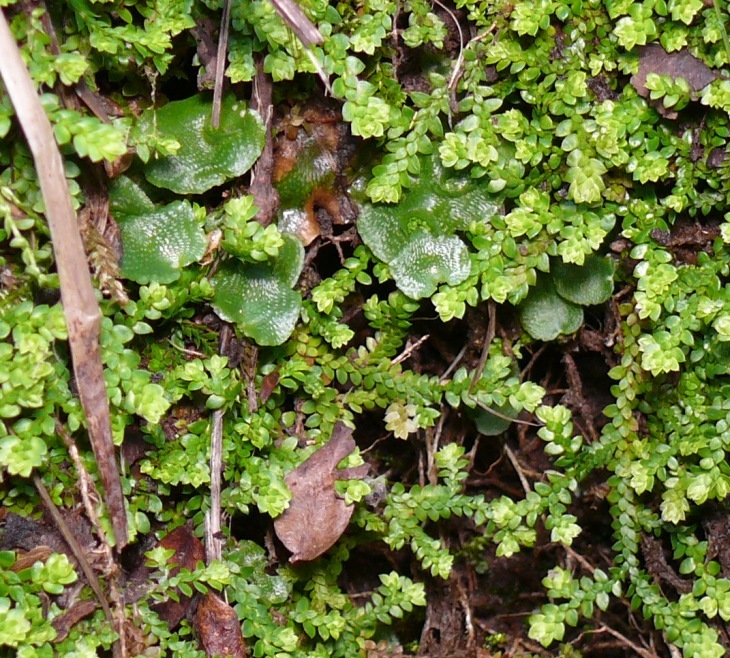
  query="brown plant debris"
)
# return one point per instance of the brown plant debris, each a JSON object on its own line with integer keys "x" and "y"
{"x": 680, "y": 64}
{"x": 188, "y": 552}
{"x": 219, "y": 630}
{"x": 317, "y": 516}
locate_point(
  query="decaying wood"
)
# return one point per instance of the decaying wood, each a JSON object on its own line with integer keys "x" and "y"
{"x": 83, "y": 316}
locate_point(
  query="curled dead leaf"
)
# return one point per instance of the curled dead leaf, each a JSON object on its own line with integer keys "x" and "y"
{"x": 67, "y": 620}
{"x": 317, "y": 516}
{"x": 219, "y": 630}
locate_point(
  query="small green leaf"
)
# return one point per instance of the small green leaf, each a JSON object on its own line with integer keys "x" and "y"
{"x": 207, "y": 157}
{"x": 158, "y": 243}
{"x": 20, "y": 456}
{"x": 7, "y": 559}
{"x": 591, "y": 283}
{"x": 545, "y": 315}
{"x": 258, "y": 296}
{"x": 126, "y": 197}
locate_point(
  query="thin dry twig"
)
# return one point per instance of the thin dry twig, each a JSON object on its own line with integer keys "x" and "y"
{"x": 453, "y": 364}
{"x": 639, "y": 651}
{"x": 307, "y": 33}
{"x": 75, "y": 547}
{"x": 432, "y": 448}
{"x": 213, "y": 539}
{"x": 266, "y": 196}
{"x": 412, "y": 347}
{"x": 220, "y": 63}
{"x": 87, "y": 489}
{"x": 518, "y": 469}
{"x": 89, "y": 494}
{"x": 488, "y": 338}
{"x": 459, "y": 66}
{"x": 468, "y": 615}
{"x": 499, "y": 414}
{"x": 83, "y": 316}
{"x": 460, "y": 58}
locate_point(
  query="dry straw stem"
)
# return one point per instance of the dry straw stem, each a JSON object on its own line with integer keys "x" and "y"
{"x": 83, "y": 316}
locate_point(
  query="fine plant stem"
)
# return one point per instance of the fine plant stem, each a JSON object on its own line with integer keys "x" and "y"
{"x": 213, "y": 543}
{"x": 457, "y": 67}
{"x": 220, "y": 63}
{"x": 488, "y": 338}
{"x": 78, "y": 552}
{"x": 518, "y": 469}
{"x": 410, "y": 349}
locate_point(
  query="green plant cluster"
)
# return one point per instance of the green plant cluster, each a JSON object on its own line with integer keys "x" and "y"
{"x": 534, "y": 135}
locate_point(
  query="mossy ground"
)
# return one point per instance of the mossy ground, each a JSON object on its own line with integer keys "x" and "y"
{"x": 591, "y": 522}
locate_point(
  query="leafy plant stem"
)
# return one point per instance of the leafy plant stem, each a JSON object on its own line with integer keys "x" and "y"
{"x": 721, "y": 23}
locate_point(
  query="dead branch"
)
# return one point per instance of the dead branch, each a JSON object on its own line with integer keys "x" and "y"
{"x": 83, "y": 316}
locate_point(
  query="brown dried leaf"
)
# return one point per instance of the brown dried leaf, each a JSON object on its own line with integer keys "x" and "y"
{"x": 189, "y": 551}
{"x": 66, "y": 621}
{"x": 188, "y": 548}
{"x": 268, "y": 385}
{"x": 316, "y": 516}
{"x": 28, "y": 559}
{"x": 219, "y": 630}
{"x": 680, "y": 64}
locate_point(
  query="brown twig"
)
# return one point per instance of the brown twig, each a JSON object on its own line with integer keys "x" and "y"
{"x": 453, "y": 364}
{"x": 459, "y": 66}
{"x": 488, "y": 338}
{"x": 432, "y": 447}
{"x": 83, "y": 316}
{"x": 89, "y": 494}
{"x": 213, "y": 541}
{"x": 410, "y": 348}
{"x": 307, "y": 33}
{"x": 87, "y": 488}
{"x": 518, "y": 469}
{"x": 220, "y": 63}
{"x": 626, "y": 642}
{"x": 75, "y": 547}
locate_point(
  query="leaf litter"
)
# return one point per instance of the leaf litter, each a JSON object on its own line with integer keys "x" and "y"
{"x": 317, "y": 516}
